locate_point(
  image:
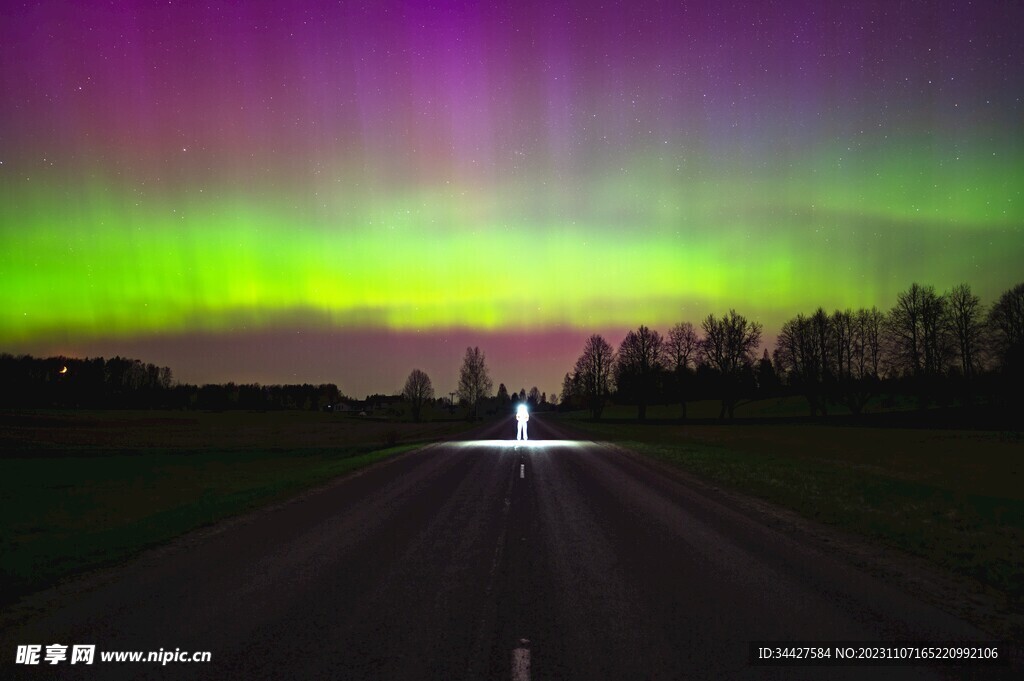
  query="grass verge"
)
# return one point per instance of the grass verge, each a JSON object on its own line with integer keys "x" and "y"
{"x": 953, "y": 498}
{"x": 81, "y": 490}
{"x": 64, "y": 515}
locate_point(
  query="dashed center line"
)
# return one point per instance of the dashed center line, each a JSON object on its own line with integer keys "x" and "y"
{"x": 522, "y": 470}
{"x": 521, "y": 662}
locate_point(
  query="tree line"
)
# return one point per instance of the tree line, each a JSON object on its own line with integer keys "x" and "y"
{"x": 474, "y": 390}
{"x": 938, "y": 347}
{"x": 121, "y": 382}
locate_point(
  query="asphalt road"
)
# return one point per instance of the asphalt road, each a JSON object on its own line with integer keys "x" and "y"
{"x": 481, "y": 559}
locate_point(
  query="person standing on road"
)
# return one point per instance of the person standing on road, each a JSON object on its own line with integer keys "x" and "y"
{"x": 522, "y": 416}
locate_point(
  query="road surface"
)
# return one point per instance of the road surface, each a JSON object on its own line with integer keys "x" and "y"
{"x": 481, "y": 559}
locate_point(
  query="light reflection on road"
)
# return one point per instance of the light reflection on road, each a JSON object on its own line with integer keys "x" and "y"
{"x": 529, "y": 444}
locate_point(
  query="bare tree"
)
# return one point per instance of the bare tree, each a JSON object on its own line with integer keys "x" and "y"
{"x": 591, "y": 379}
{"x": 824, "y": 335}
{"x": 799, "y": 357}
{"x": 682, "y": 350}
{"x": 1007, "y": 322}
{"x": 831, "y": 357}
{"x": 919, "y": 340}
{"x": 966, "y": 322}
{"x": 937, "y": 341}
{"x": 903, "y": 330}
{"x": 418, "y": 391}
{"x": 682, "y": 347}
{"x": 638, "y": 366}
{"x": 845, "y": 344}
{"x": 728, "y": 347}
{"x": 533, "y": 397}
{"x": 869, "y": 326}
{"x": 855, "y": 335}
{"x": 474, "y": 381}
{"x": 805, "y": 352}
{"x": 916, "y": 333}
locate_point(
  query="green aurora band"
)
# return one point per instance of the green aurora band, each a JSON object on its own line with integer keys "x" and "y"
{"x": 654, "y": 242}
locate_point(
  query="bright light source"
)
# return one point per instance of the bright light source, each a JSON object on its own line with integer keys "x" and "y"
{"x": 522, "y": 417}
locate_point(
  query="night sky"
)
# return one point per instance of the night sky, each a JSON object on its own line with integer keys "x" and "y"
{"x": 342, "y": 192}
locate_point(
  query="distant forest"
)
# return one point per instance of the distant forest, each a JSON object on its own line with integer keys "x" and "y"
{"x": 939, "y": 349}
{"x": 123, "y": 383}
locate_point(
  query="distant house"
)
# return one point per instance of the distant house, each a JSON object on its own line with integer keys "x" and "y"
{"x": 346, "y": 407}
{"x": 383, "y": 404}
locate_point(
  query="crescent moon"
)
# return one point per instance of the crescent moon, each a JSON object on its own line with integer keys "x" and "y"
{"x": 63, "y": 370}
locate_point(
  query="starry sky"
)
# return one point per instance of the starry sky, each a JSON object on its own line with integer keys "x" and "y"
{"x": 344, "y": 191}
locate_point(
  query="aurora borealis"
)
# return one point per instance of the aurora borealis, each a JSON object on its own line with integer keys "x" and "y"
{"x": 394, "y": 180}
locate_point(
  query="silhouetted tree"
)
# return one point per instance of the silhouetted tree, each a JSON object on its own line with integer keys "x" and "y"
{"x": 767, "y": 379}
{"x": 682, "y": 350}
{"x": 683, "y": 346}
{"x": 831, "y": 357}
{"x": 824, "y": 339}
{"x": 503, "y": 397}
{"x": 418, "y": 391}
{"x": 639, "y": 365}
{"x": 571, "y": 392}
{"x": 869, "y": 328}
{"x": 728, "y": 347}
{"x": 474, "y": 382}
{"x": 937, "y": 341}
{"x": 591, "y": 380}
{"x": 798, "y": 356}
{"x": 533, "y": 397}
{"x": 966, "y": 320}
{"x": 1006, "y": 320}
{"x": 915, "y": 330}
{"x": 844, "y": 342}
{"x": 95, "y": 383}
{"x": 856, "y": 336}
{"x": 919, "y": 339}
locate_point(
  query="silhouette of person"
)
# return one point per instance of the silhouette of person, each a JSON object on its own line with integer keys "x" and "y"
{"x": 522, "y": 416}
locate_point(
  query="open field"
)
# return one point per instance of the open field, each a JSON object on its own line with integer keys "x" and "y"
{"x": 71, "y": 430}
{"x": 80, "y": 490}
{"x": 955, "y": 498}
{"x": 787, "y": 406}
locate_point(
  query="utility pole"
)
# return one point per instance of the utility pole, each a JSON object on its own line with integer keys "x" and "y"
{"x": 451, "y": 403}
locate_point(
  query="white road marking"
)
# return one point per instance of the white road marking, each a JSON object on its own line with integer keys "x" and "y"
{"x": 521, "y": 662}
{"x": 522, "y": 470}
